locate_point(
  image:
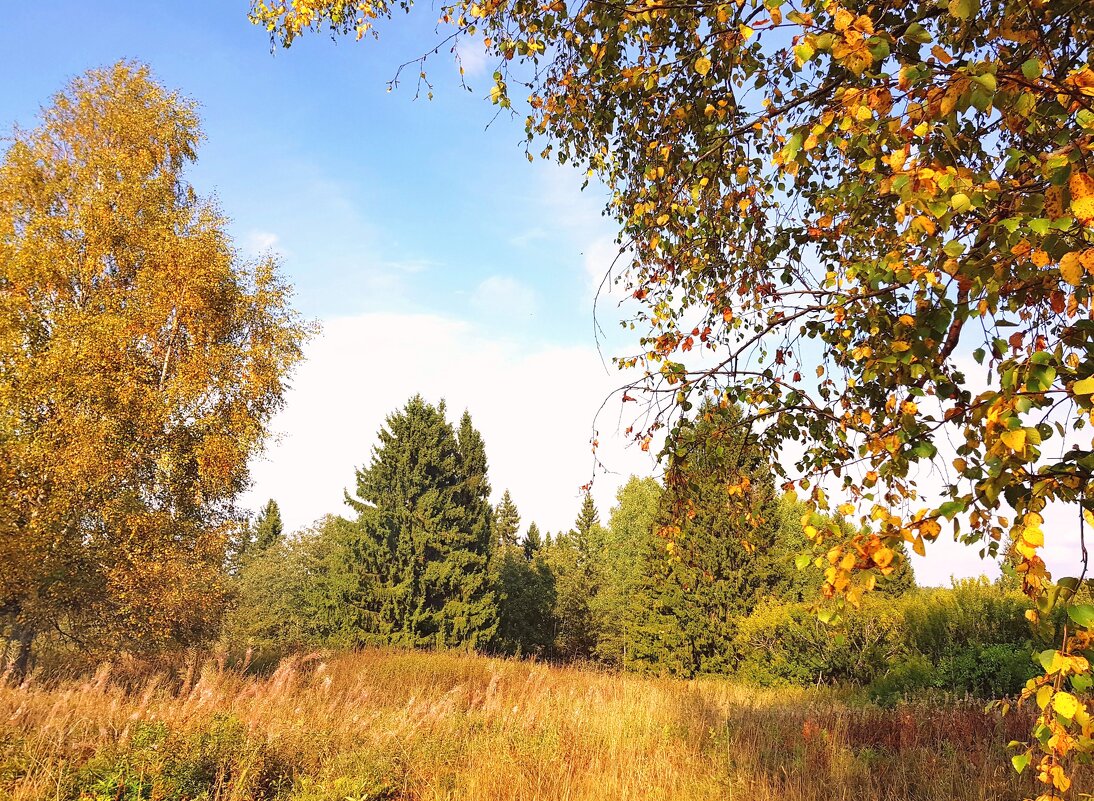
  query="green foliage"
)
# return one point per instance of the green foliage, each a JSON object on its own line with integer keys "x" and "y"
{"x": 268, "y": 528}
{"x": 970, "y": 639}
{"x": 422, "y": 540}
{"x": 295, "y": 591}
{"x": 573, "y": 558}
{"x": 157, "y": 764}
{"x": 785, "y": 643}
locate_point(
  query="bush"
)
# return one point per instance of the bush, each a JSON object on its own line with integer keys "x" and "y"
{"x": 787, "y": 644}
{"x": 972, "y": 639}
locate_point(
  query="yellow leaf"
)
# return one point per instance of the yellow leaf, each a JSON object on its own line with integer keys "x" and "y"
{"x": 702, "y": 65}
{"x": 1015, "y": 440}
{"x": 1071, "y": 269}
{"x": 1065, "y": 704}
{"x": 883, "y": 557}
{"x": 1082, "y": 196}
{"x": 1044, "y": 695}
{"x": 941, "y": 54}
{"x": 1034, "y": 536}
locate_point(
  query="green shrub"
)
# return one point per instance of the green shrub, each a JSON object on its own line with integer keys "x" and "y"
{"x": 787, "y": 644}
{"x": 905, "y": 677}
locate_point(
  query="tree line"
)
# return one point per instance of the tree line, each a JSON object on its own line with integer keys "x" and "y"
{"x": 424, "y": 561}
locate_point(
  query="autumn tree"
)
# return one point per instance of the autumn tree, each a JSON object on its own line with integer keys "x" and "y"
{"x": 141, "y": 359}
{"x": 875, "y": 220}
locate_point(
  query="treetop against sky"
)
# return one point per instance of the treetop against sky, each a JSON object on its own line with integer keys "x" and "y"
{"x": 437, "y": 258}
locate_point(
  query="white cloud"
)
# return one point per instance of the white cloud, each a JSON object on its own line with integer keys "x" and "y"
{"x": 535, "y": 409}
{"x": 534, "y": 406}
{"x": 258, "y": 243}
{"x": 471, "y": 53}
{"x": 504, "y": 296}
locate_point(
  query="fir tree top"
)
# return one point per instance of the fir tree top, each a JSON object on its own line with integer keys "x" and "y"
{"x": 268, "y": 527}
{"x": 506, "y": 522}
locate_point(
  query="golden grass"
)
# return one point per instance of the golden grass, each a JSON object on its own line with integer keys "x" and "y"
{"x": 397, "y": 725}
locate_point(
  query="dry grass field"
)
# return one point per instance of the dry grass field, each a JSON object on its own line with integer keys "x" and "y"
{"x": 396, "y": 725}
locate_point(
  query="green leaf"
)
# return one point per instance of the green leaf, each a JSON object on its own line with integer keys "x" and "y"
{"x": 960, "y": 202}
{"x": 1032, "y": 69}
{"x": 1082, "y": 614}
{"x": 804, "y": 52}
{"x": 1045, "y": 658}
{"x": 1040, "y": 225}
{"x": 953, "y": 249}
{"x": 1020, "y": 761}
{"x": 987, "y": 80}
{"x": 802, "y": 561}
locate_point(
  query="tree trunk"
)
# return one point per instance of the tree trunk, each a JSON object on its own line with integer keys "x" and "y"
{"x": 23, "y": 638}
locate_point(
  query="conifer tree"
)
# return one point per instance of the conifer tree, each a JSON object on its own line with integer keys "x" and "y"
{"x": 423, "y": 528}
{"x": 533, "y": 542}
{"x": 621, "y": 608}
{"x": 726, "y": 554}
{"x": 268, "y": 527}
{"x": 506, "y": 522}
{"x": 573, "y": 560}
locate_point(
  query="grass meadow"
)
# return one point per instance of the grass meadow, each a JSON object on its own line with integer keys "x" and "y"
{"x": 381, "y": 724}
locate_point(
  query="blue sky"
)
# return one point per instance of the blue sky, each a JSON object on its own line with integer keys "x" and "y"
{"x": 436, "y": 257}
{"x": 377, "y": 201}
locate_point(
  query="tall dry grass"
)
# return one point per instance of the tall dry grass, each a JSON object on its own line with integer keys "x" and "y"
{"x": 386, "y": 724}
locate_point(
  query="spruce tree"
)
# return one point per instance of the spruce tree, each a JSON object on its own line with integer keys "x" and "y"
{"x": 621, "y": 608}
{"x": 573, "y": 561}
{"x": 533, "y": 542}
{"x": 727, "y": 555}
{"x": 506, "y": 522}
{"x": 423, "y": 528}
{"x": 268, "y": 527}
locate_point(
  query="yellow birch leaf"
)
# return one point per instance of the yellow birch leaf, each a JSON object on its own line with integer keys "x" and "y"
{"x": 1015, "y": 440}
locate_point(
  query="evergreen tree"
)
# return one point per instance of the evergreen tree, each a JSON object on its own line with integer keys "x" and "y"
{"x": 506, "y": 522}
{"x": 573, "y": 561}
{"x": 533, "y": 542}
{"x": 423, "y": 533}
{"x": 727, "y": 554}
{"x": 268, "y": 527}
{"x": 621, "y": 608}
